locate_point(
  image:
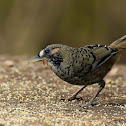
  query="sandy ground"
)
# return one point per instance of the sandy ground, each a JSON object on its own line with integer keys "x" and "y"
{"x": 30, "y": 94}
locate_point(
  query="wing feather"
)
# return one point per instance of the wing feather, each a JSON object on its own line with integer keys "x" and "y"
{"x": 94, "y": 57}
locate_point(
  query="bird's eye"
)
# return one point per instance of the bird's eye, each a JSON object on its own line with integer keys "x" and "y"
{"x": 46, "y": 51}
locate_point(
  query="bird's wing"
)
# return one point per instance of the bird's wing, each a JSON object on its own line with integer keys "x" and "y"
{"x": 94, "y": 57}
{"x": 102, "y": 54}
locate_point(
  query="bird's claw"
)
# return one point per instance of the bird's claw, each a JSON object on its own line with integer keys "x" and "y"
{"x": 74, "y": 97}
{"x": 89, "y": 104}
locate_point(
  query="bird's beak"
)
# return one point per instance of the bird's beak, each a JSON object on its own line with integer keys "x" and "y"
{"x": 37, "y": 59}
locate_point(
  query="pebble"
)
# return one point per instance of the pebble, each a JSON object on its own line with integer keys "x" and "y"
{"x": 8, "y": 63}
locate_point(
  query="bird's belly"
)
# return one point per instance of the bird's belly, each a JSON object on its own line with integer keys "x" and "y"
{"x": 86, "y": 79}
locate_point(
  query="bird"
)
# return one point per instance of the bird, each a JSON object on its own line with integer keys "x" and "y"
{"x": 83, "y": 66}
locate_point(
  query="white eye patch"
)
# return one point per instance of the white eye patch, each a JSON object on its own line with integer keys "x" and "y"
{"x": 41, "y": 53}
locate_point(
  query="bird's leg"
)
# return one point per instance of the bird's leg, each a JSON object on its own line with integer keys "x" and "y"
{"x": 90, "y": 103}
{"x": 75, "y": 94}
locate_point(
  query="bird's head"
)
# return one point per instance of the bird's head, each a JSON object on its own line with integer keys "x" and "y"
{"x": 50, "y": 54}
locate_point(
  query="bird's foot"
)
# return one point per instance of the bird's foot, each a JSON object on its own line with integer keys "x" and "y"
{"x": 89, "y": 104}
{"x": 73, "y": 97}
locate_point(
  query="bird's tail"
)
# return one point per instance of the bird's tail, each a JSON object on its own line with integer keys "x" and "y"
{"x": 120, "y": 43}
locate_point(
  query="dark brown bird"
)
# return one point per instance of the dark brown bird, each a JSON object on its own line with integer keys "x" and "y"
{"x": 84, "y": 65}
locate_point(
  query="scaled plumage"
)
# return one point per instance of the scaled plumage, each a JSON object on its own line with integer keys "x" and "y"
{"x": 84, "y": 65}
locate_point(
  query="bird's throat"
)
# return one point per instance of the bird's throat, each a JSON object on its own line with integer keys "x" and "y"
{"x": 44, "y": 61}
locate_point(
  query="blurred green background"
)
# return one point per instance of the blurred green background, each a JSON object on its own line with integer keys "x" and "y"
{"x": 26, "y": 26}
